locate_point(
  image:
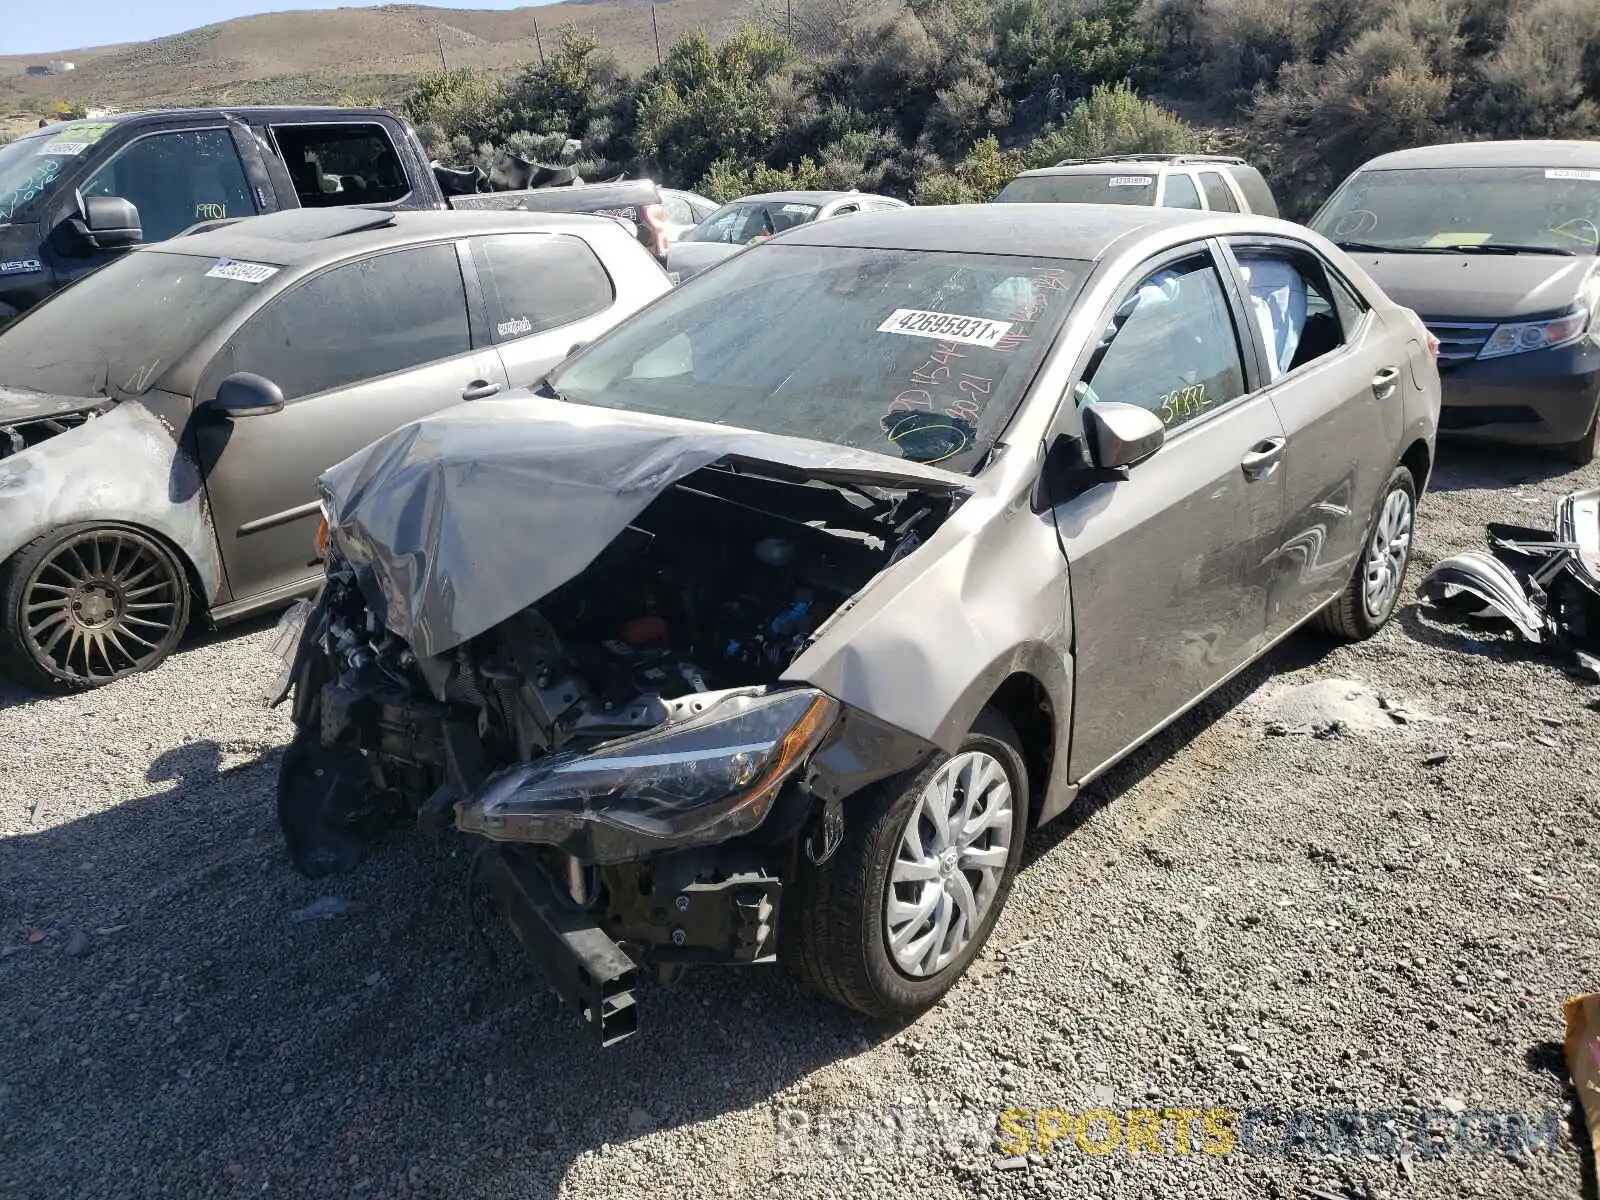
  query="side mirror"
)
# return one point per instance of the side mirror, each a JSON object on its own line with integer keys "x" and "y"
{"x": 244, "y": 394}
{"x": 1121, "y": 435}
{"x": 108, "y": 223}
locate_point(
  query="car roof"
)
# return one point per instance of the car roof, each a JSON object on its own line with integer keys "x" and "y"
{"x": 818, "y": 197}
{"x": 269, "y": 112}
{"x": 312, "y": 236}
{"x": 1491, "y": 154}
{"x": 1139, "y": 167}
{"x": 1070, "y": 231}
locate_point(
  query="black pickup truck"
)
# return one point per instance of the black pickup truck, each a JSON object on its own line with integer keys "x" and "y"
{"x": 75, "y": 194}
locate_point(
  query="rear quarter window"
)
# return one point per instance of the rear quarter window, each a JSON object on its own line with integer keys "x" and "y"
{"x": 536, "y": 282}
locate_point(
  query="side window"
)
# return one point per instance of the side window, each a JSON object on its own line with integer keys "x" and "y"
{"x": 388, "y": 313}
{"x": 175, "y": 179}
{"x": 1295, "y": 305}
{"x": 1219, "y": 197}
{"x": 341, "y": 164}
{"x": 1180, "y": 191}
{"x": 846, "y": 209}
{"x": 1350, "y": 303}
{"x": 534, "y": 282}
{"x": 678, "y": 210}
{"x": 1177, "y": 352}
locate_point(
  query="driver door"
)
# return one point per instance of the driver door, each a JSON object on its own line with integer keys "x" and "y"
{"x": 358, "y": 350}
{"x": 1170, "y": 567}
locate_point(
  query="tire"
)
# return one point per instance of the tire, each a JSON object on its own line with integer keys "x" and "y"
{"x": 1350, "y": 616}
{"x": 835, "y": 920}
{"x": 1582, "y": 452}
{"x": 114, "y": 602}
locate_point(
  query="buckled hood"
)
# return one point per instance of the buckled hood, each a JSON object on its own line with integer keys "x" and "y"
{"x": 459, "y": 520}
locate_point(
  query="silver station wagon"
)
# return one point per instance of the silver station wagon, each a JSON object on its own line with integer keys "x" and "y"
{"x": 767, "y": 626}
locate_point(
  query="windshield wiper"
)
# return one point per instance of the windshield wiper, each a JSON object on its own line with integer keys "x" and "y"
{"x": 1507, "y": 248}
{"x": 1378, "y": 248}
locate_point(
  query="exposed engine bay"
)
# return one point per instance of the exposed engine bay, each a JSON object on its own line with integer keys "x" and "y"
{"x": 623, "y": 747}
{"x": 27, "y": 424}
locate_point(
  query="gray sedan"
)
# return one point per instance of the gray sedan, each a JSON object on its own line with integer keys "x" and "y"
{"x": 752, "y": 219}
{"x": 163, "y": 421}
{"x": 841, "y": 567}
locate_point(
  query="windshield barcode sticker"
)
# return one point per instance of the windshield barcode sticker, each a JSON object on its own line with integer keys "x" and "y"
{"x": 64, "y": 147}
{"x": 244, "y": 272}
{"x": 1572, "y": 173}
{"x": 1131, "y": 181}
{"x": 945, "y": 327}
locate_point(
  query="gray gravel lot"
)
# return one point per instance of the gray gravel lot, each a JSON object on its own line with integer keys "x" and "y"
{"x": 1383, "y": 919}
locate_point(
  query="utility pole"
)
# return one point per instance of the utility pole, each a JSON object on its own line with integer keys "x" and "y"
{"x": 442, "y": 63}
{"x": 789, "y": 9}
{"x": 538, "y": 41}
{"x": 656, "y": 29}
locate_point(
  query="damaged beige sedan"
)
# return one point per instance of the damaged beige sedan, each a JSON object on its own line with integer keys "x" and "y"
{"x": 773, "y": 621}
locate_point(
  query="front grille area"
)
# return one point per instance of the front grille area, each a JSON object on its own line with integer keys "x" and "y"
{"x": 1459, "y": 341}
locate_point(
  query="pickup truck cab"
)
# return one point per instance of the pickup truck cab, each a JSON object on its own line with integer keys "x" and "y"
{"x": 77, "y": 194}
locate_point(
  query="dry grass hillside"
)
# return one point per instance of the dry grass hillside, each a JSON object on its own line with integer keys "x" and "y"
{"x": 356, "y": 53}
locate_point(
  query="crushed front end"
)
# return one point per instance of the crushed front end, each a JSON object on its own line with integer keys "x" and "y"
{"x": 634, "y": 776}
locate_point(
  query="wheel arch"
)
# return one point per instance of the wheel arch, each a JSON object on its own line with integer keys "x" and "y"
{"x": 1418, "y": 459}
{"x": 1024, "y": 701}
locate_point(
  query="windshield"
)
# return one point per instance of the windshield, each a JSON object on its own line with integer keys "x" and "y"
{"x": 750, "y": 221}
{"x": 1554, "y": 208}
{"x": 122, "y": 328}
{"x": 30, "y": 167}
{"x": 920, "y": 355}
{"x": 1088, "y": 188}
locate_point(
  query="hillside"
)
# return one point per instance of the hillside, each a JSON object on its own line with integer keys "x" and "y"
{"x": 369, "y": 53}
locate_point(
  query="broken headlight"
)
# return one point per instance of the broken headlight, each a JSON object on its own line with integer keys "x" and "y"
{"x": 699, "y": 781}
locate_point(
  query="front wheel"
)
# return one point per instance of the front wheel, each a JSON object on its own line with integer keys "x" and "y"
{"x": 86, "y": 604}
{"x": 889, "y": 923}
{"x": 1369, "y": 600}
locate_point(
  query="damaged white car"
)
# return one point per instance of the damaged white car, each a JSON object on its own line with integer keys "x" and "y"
{"x": 774, "y": 620}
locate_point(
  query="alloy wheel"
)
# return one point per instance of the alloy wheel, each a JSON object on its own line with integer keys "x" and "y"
{"x": 1387, "y": 553}
{"x": 102, "y": 605}
{"x": 950, "y": 863}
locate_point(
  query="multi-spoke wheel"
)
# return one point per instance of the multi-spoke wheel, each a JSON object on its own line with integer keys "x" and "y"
{"x": 1366, "y": 605}
{"x": 952, "y": 861}
{"x": 88, "y": 604}
{"x": 890, "y": 922}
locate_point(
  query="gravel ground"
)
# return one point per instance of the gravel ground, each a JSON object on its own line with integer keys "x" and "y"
{"x": 1383, "y": 918}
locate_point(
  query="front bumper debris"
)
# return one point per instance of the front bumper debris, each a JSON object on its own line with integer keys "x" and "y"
{"x": 1544, "y": 583}
{"x": 587, "y": 969}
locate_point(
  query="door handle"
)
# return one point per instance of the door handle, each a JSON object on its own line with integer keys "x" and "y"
{"x": 480, "y": 389}
{"x": 1263, "y": 457}
{"x": 1386, "y": 382}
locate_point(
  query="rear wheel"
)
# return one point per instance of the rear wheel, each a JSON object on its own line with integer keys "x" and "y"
{"x": 889, "y": 923}
{"x": 1369, "y": 599}
{"x": 87, "y": 604}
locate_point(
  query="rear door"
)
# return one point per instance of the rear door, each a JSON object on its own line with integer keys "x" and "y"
{"x": 1335, "y": 380}
{"x": 334, "y": 163}
{"x": 542, "y": 294}
{"x": 359, "y": 350}
{"x": 1168, "y": 571}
